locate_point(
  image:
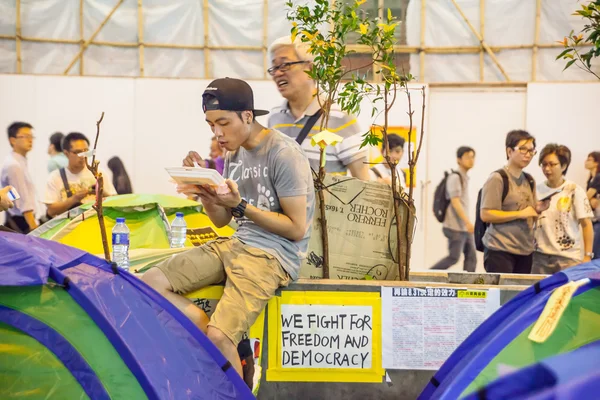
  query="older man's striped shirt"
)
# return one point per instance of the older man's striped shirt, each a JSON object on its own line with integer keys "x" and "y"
{"x": 340, "y": 123}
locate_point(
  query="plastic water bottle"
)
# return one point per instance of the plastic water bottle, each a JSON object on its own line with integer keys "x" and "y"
{"x": 178, "y": 231}
{"x": 120, "y": 240}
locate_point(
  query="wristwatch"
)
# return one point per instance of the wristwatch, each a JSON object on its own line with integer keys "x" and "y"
{"x": 239, "y": 210}
{"x": 590, "y": 255}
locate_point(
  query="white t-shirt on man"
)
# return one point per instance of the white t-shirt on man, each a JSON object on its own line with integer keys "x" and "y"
{"x": 557, "y": 231}
{"x": 55, "y": 188}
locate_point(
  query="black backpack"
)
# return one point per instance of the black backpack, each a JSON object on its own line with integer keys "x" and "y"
{"x": 480, "y": 226}
{"x": 441, "y": 202}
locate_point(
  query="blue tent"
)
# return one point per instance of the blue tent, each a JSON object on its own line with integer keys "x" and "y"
{"x": 501, "y": 343}
{"x": 573, "y": 375}
{"x": 73, "y": 327}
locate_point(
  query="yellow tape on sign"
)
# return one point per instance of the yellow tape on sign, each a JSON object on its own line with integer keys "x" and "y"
{"x": 472, "y": 294}
{"x": 325, "y": 337}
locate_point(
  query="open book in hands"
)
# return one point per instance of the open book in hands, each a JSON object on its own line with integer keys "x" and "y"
{"x": 187, "y": 178}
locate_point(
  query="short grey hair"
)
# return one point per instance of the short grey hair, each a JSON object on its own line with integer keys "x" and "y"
{"x": 302, "y": 49}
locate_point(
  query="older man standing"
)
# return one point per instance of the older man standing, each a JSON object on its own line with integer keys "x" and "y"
{"x": 290, "y": 61}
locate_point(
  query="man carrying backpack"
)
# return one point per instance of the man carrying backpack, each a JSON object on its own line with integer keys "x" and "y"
{"x": 457, "y": 226}
{"x": 509, "y": 206}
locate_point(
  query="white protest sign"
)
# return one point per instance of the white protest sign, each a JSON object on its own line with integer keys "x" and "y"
{"x": 326, "y": 336}
{"x": 421, "y": 327}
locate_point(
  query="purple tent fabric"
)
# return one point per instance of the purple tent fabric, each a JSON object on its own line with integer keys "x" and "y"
{"x": 168, "y": 355}
{"x": 26, "y": 260}
{"x": 573, "y": 375}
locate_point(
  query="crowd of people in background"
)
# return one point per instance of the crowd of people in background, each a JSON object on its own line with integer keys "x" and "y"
{"x": 524, "y": 227}
{"x": 521, "y": 233}
{"x": 69, "y": 183}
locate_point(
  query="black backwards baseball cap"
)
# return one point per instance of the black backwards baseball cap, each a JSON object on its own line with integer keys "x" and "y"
{"x": 229, "y": 94}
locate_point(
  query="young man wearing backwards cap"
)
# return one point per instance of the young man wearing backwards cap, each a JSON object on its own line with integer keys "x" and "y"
{"x": 271, "y": 196}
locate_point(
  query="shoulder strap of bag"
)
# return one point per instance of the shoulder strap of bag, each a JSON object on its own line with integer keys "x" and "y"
{"x": 505, "y": 187}
{"x": 63, "y": 176}
{"x": 308, "y": 126}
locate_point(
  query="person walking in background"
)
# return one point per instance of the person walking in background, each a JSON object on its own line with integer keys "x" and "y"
{"x": 593, "y": 195}
{"x": 15, "y": 173}
{"x": 381, "y": 172}
{"x": 301, "y": 109}
{"x": 509, "y": 239}
{"x": 58, "y": 159}
{"x": 120, "y": 178}
{"x": 457, "y": 226}
{"x": 559, "y": 244}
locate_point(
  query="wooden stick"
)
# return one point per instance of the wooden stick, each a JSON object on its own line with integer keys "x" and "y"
{"x": 207, "y": 73}
{"x": 140, "y": 24}
{"x": 93, "y": 167}
{"x": 484, "y": 44}
{"x": 91, "y": 39}
{"x": 265, "y": 37}
{"x": 18, "y": 37}
{"x": 482, "y": 31}
{"x": 422, "y": 42}
{"x": 536, "y": 39}
{"x": 81, "y": 36}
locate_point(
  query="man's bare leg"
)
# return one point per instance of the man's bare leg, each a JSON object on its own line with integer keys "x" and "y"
{"x": 227, "y": 348}
{"x": 155, "y": 278}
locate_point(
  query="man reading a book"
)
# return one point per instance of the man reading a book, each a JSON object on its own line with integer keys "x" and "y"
{"x": 270, "y": 194}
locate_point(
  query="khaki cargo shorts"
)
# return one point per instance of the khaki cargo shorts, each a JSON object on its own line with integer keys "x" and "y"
{"x": 251, "y": 278}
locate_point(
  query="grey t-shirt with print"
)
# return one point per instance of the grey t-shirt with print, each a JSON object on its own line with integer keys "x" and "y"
{"x": 276, "y": 168}
{"x": 457, "y": 186}
{"x": 514, "y": 237}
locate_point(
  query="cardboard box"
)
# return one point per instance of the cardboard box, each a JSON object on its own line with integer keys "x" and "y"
{"x": 362, "y": 231}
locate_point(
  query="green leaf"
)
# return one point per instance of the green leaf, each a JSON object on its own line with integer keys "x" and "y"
{"x": 389, "y": 15}
{"x": 569, "y": 64}
{"x": 563, "y": 53}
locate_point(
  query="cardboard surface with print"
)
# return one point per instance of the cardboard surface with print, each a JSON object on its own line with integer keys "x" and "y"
{"x": 362, "y": 232}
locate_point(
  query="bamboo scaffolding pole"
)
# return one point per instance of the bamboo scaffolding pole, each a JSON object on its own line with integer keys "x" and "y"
{"x": 140, "y": 25}
{"x": 355, "y": 47}
{"x": 81, "y": 36}
{"x": 18, "y": 37}
{"x": 484, "y": 44}
{"x": 536, "y": 39}
{"x": 265, "y": 37}
{"x": 482, "y": 31}
{"x": 91, "y": 39}
{"x": 205, "y": 9}
{"x": 422, "y": 42}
